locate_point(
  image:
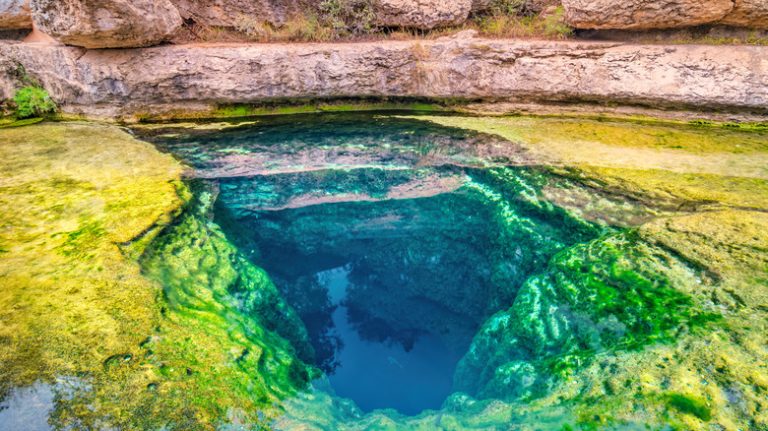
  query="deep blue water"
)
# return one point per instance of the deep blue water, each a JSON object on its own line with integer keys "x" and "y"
{"x": 393, "y": 240}
{"x": 405, "y": 380}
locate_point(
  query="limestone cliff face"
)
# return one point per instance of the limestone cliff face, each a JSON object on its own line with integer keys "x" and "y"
{"x": 422, "y": 14}
{"x": 226, "y": 13}
{"x": 748, "y": 13}
{"x": 122, "y": 83}
{"x": 14, "y": 14}
{"x": 655, "y": 14}
{"x": 106, "y": 23}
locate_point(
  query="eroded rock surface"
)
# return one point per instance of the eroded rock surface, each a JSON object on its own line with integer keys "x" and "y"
{"x": 644, "y": 14}
{"x": 227, "y": 13}
{"x": 748, "y": 13}
{"x": 422, "y": 14}
{"x": 14, "y": 14}
{"x": 107, "y": 24}
{"x": 117, "y": 83}
{"x": 651, "y": 14}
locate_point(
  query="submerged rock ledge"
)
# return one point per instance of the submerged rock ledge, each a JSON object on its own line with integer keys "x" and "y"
{"x": 136, "y": 82}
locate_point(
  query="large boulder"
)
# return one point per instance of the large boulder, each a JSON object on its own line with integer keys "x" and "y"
{"x": 107, "y": 23}
{"x": 748, "y": 13}
{"x": 645, "y": 14}
{"x": 421, "y": 14}
{"x": 227, "y": 13}
{"x": 15, "y": 15}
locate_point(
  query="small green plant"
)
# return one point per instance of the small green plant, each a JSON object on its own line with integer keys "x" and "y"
{"x": 348, "y": 17}
{"x": 32, "y": 101}
{"x": 508, "y": 7}
{"x": 554, "y": 24}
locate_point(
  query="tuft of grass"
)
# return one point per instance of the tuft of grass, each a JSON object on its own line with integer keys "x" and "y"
{"x": 547, "y": 25}
{"x": 300, "y": 28}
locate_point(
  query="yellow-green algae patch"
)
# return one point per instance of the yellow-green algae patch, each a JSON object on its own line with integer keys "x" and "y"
{"x": 713, "y": 377}
{"x": 79, "y": 203}
{"x": 617, "y": 144}
{"x": 69, "y": 195}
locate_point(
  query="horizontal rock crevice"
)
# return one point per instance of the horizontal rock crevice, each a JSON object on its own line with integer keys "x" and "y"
{"x": 130, "y": 82}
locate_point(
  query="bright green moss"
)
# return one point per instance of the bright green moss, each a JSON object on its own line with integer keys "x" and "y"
{"x": 690, "y": 405}
{"x": 9, "y": 122}
{"x": 614, "y": 293}
{"x": 74, "y": 304}
{"x": 225, "y": 339}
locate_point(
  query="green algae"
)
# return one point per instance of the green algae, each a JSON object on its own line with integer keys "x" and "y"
{"x": 689, "y": 404}
{"x": 662, "y": 325}
{"x": 5, "y": 124}
{"x": 74, "y": 303}
{"x": 612, "y": 293}
{"x": 234, "y": 111}
{"x": 70, "y": 299}
{"x": 617, "y": 144}
{"x": 225, "y": 343}
{"x": 680, "y": 295}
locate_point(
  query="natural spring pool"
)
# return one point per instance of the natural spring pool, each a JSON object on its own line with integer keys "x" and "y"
{"x": 384, "y": 271}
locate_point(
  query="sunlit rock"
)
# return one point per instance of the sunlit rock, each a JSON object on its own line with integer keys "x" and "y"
{"x": 107, "y": 24}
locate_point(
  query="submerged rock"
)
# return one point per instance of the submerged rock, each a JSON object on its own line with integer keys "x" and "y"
{"x": 184, "y": 340}
{"x": 107, "y": 24}
{"x": 615, "y": 292}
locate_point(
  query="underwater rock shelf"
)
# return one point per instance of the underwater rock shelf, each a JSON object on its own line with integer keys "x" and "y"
{"x": 368, "y": 271}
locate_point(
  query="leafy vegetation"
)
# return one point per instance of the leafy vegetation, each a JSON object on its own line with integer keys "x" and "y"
{"x": 331, "y": 20}
{"x": 328, "y": 20}
{"x": 33, "y": 101}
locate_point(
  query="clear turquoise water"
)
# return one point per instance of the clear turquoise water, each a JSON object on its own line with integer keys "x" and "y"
{"x": 381, "y": 234}
{"x": 362, "y": 271}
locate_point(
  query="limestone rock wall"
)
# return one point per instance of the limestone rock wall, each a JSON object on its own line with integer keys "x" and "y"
{"x": 422, "y": 14}
{"x": 123, "y": 83}
{"x": 226, "y": 13}
{"x": 106, "y": 23}
{"x": 748, "y": 13}
{"x": 15, "y": 15}
{"x": 661, "y": 14}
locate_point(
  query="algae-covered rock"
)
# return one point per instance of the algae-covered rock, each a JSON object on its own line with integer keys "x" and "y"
{"x": 616, "y": 292}
{"x": 651, "y": 321}
{"x": 79, "y": 315}
{"x": 222, "y": 341}
{"x": 70, "y": 195}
